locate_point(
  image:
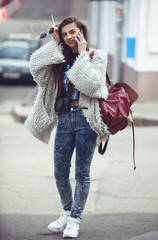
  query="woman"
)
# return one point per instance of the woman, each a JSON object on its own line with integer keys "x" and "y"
{"x": 63, "y": 69}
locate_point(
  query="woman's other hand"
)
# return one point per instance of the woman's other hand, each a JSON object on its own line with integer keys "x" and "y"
{"x": 55, "y": 34}
{"x": 81, "y": 42}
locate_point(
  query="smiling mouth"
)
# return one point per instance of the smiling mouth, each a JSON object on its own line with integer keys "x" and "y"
{"x": 70, "y": 41}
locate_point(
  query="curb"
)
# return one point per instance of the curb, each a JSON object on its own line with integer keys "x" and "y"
{"x": 147, "y": 236}
{"x": 142, "y": 121}
{"x": 22, "y": 110}
{"x": 9, "y": 9}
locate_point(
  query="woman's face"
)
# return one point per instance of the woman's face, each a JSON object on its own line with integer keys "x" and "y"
{"x": 69, "y": 32}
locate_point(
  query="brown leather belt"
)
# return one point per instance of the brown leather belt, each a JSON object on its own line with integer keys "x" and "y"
{"x": 74, "y": 103}
{"x": 77, "y": 107}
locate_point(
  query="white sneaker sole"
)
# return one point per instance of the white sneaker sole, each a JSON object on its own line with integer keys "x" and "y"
{"x": 56, "y": 230}
{"x": 68, "y": 236}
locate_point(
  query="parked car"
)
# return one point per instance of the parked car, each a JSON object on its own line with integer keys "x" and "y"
{"x": 27, "y": 37}
{"x": 14, "y": 63}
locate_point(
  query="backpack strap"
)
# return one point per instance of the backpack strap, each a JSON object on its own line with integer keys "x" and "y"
{"x": 133, "y": 139}
{"x": 102, "y": 149}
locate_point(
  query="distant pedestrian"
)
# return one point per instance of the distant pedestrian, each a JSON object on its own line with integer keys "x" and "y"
{"x": 70, "y": 84}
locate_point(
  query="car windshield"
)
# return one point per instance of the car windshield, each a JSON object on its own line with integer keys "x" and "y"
{"x": 14, "y": 52}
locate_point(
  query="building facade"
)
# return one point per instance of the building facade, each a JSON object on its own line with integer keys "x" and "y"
{"x": 128, "y": 31}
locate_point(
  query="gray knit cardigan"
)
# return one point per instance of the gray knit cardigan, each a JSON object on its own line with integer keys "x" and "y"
{"x": 88, "y": 76}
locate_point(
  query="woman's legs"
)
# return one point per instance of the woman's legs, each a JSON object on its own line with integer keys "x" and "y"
{"x": 73, "y": 131}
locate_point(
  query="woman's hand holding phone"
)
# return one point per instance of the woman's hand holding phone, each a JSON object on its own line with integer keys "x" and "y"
{"x": 55, "y": 34}
{"x": 81, "y": 42}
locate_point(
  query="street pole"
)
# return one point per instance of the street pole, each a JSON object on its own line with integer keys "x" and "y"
{"x": 99, "y": 17}
{"x": 118, "y": 41}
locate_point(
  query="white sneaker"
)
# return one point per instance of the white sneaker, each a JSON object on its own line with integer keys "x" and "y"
{"x": 59, "y": 225}
{"x": 72, "y": 228}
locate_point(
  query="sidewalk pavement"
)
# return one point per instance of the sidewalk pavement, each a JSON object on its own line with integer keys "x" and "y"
{"x": 145, "y": 113}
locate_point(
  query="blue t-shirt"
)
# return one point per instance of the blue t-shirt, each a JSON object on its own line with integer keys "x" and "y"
{"x": 68, "y": 87}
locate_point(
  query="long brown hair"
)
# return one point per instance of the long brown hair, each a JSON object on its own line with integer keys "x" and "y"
{"x": 67, "y": 52}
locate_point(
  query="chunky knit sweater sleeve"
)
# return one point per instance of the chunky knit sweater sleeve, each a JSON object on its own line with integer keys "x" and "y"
{"x": 88, "y": 75}
{"x": 42, "y": 60}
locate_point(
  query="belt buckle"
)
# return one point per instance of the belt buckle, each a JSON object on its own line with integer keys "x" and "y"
{"x": 73, "y": 108}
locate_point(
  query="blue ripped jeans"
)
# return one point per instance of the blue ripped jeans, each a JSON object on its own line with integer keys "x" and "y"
{"x": 73, "y": 131}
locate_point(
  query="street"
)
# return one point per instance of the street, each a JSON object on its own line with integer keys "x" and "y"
{"x": 122, "y": 203}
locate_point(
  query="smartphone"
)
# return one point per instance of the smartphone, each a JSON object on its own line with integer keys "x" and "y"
{"x": 81, "y": 31}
